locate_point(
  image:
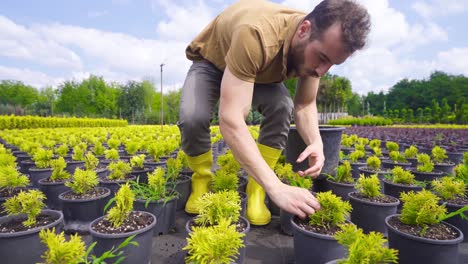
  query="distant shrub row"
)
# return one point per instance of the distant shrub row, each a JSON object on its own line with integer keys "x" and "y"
{"x": 364, "y": 121}
{"x": 23, "y": 122}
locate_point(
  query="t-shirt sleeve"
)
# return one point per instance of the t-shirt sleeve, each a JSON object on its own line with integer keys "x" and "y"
{"x": 245, "y": 55}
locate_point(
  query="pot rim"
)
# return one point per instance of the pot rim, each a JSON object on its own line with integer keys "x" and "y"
{"x": 241, "y": 218}
{"x": 94, "y": 233}
{"x": 457, "y": 240}
{"x": 297, "y": 228}
{"x": 108, "y": 192}
{"x": 36, "y": 229}
{"x": 393, "y": 204}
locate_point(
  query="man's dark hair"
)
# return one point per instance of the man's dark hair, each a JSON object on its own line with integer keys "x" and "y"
{"x": 354, "y": 20}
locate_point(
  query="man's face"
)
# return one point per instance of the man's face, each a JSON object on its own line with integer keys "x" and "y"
{"x": 315, "y": 57}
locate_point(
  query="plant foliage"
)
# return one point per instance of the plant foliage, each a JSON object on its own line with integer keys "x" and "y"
{"x": 217, "y": 206}
{"x": 26, "y": 202}
{"x": 333, "y": 211}
{"x": 83, "y": 181}
{"x": 123, "y": 206}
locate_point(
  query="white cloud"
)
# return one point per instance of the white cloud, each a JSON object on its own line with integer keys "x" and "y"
{"x": 179, "y": 26}
{"x": 19, "y": 42}
{"x": 453, "y": 60}
{"x": 35, "y": 78}
{"x": 432, "y": 8}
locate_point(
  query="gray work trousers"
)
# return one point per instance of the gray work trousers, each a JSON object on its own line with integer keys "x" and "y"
{"x": 200, "y": 94}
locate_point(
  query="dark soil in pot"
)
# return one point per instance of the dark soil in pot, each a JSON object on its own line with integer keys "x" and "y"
{"x": 439, "y": 244}
{"x": 370, "y": 213}
{"x": 138, "y": 223}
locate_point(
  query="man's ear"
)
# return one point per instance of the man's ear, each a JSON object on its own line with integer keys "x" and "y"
{"x": 304, "y": 29}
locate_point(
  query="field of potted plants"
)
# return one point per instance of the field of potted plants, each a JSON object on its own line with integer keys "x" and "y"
{"x": 114, "y": 194}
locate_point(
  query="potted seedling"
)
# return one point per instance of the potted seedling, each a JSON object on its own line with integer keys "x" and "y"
{"x": 356, "y": 160}
{"x": 419, "y": 233}
{"x": 441, "y": 162}
{"x": 391, "y": 146}
{"x": 119, "y": 173}
{"x": 313, "y": 236}
{"x": 346, "y": 144}
{"x": 225, "y": 179}
{"x": 132, "y": 147}
{"x": 363, "y": 248}
{"x": 92, "y": 163}
{"x": 374, "y": 143}
{"x": 425, "y": 169}
{"x": 221, "y": 208}
{"x": 78, "y": 157}
{"x": 121, "y": 222}
{"x": 373, "y": 167}
{"x": 396, "y": 159}
{"x": 98, "y": 150}
{"x": 19, "y": 240}
{"x": 25, "y": 161}
{"x": 220, "y": 243}
{"x": 411, "y": 154}
{"x": 11, "y": 183}
{"x": 139, "y": 169}
{"x": 343, "y": 182}
{"x": 399, "y": 181}
{"x": 73, "y": 251}
{"x": 7, "y": 160}
{"x": 54, "y": 185}
{"x": 178, "y": 182}
{"x": 110, "y": 155}
{"x": 452, "y": 193}
{"x": 185, "y": 169}
{"x": 84, "y": 202}
{"x": 43, "y": 169}
{"x": 228, "y": 163}
{"x": 155, "y": 151}
{"x": 461, "y": 170}
{"x": 370, "y": 206}
{"x": 62, "y": 150}
{"x": 154, "y": 197}
{"x": 114, "y": 143}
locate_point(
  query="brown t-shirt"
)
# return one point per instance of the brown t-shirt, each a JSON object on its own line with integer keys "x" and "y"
{"x": 252, "y": 37}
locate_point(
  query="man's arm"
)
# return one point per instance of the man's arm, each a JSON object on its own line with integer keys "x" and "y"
{"x": 306, "y": 117}
{"x": 235, "y": 103}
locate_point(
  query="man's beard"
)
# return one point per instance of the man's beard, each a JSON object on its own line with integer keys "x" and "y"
{"x": 296, "y": 60}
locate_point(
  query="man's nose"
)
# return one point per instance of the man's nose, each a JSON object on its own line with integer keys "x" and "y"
{"x": 323, "y": 68}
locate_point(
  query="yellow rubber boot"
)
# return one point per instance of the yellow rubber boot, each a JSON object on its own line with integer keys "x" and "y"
{"x": 201, "y": 178}
{"x": 257, "y": 212}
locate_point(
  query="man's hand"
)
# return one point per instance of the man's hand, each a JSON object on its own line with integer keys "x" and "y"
{"x": 314, "y": 153}
{"x": 295, "y": 200}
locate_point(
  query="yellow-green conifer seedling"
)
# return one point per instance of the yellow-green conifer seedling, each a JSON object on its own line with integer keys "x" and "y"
{"x": 123, "y": 206}
{"x": 26, "y": 202}
{"x": 83, "y": 181}
{"x": 368, "y": 186}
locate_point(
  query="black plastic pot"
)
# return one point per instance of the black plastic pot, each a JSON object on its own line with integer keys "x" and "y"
{"x": 447, "y": 168}
{"x": 412, "y": 249}
{"x": 142, "y": 174}
{"x": 457, "y": 221}
{"x": 395, "y": 189}
{"x": 52, "y": 190}
{"x": 25, "y": 247}
{"x": 154, "y": 164}
{"x": 240, "y": 258}
{"x": 314, "y": 248}
{"x": 242, "y": 186}
{"x": 339, "y": 188}
{"x": 244, "y": 197}
{"x": 38, "y": 174}
{"x": 331, "y": 138}
{"x": 390, "y": 164}
{"x": 164, "y": 211}
{"x": 413, "y": 161}
{"x": 355, "y": 168}
{"x": 370, "y": 216}
{"x": 456, "y": 157}
{"x": 25, "y": 165}
{"x": 426, "y": 176}
{"x": 78, "y": 214}
{"x": 114, "y": 186}
{"x": 102, "y": 172}
{"x": 72, "y": 165}
{"x": 380, "y": 174}
{"x": 285, "y": 222}
{"x": 133, "y": 254}
{"x": 183, "y": 187}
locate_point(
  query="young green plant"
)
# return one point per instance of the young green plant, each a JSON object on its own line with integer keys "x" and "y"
{"x": 26, "y": 202}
